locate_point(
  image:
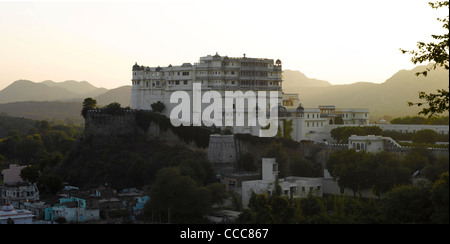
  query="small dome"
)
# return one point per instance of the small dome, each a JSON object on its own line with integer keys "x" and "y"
{"x": 136, "y": 66}
{"x": 216, "y": 57}
{"x": 300, "y": 108}
{"x": 8, "y": 207}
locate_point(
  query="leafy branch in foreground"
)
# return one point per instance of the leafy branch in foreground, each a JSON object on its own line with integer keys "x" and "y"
{"x": 438, "y": 53}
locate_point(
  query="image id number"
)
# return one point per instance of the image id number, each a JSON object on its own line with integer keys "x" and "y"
{"x": 246, "y": 233}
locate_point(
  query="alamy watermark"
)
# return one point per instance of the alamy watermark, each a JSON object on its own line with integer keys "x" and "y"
{"x": 219, "y": 114}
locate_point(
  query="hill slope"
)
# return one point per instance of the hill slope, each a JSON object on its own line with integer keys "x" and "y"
{"x": 292, "y": 79}
{"x": 121, "y": 95}
{"x": 44, "y": 110}
{"x": 388, "y": 98}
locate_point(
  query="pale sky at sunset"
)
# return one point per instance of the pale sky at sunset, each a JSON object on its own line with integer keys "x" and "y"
{"x": 341, "y": 41}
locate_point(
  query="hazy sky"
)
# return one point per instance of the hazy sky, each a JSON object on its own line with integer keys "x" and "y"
{"x": 341, "y": 41}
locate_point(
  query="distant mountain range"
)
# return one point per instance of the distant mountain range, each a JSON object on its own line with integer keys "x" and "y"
{"x": 70, "y": 90}
{"x": 388, "y": 98}
{"x": 49, "y": 99}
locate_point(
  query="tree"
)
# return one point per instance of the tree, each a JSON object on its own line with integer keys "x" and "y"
{"x": 246, "y": 162}
{"x": 259, "y": 203}
{"x": 425, "y": 136}
{"x": 386, "y": 172}
{"x": 158, "y": 107}
{"x": 415, "y": 161}
{"x": 51, "y": 182}
{"x": 437, "y": 167}
{"x": 351, "y": 170}
{"x": 43, "y": 127}
{"x": 341, "y": 134}
{"x": 2, "y": 161}
{"x": 440, "y": 199}
{"x": 287, "y": 128}
{"x": 179, "y": 195}
{"x": 282, "y": 211}
{"x": 304, "y": 168}
{"x": 439, "y": 54}
{"x": 408, "y": 204}
{"x": 88, "y": 104}
{"x": 29, "y": 150}
{"x": 30, "y": 174}
{"x": 114, "y": 108}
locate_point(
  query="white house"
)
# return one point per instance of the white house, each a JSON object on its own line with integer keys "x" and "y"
{"x": 14, "y": 189}
{"x": 291, "y": 186}
{"x": 18, "y": 216}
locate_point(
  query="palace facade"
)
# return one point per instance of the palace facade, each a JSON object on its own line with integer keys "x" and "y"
{"x": 232, "y": 74}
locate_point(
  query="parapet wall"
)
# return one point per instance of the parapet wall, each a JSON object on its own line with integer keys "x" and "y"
{"x": 101, "y": 122}
{"x": 440, "y": 129}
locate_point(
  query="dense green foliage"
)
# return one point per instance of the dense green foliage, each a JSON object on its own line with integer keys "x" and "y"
{"x": 424, "y": 202}
{"x": 361, "y": 170}
{"x": 129, "y": 162}
{"x": 419, "y": 120}
{"x": 158, "y": 107}
{"x": 42, "y": 148}
{"x": 179, "y": 198}
{"x": 341, "y": 134}
{"x": 8, "y": 123}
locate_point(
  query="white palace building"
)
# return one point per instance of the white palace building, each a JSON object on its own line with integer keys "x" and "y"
{"x": 224, "y": 74}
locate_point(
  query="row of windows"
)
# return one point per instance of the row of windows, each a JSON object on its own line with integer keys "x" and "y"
{"x": 19, "y": 194}
{"x": 353, "y": 114}
{"x": 313, "y": 116}
{"x": 185, "y": 82}
{"x": 314, "y": 123}
{"x": 358, "y": 146}
{"x": 156, "y": 74}
{"x": 216, "y": 72}
{"x": 254, "y": 73}
{"x": 254, "y": 64}
{"x": 294, "y": 190}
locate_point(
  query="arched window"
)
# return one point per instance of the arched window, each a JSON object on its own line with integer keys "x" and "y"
{"x": 358, "y": 147}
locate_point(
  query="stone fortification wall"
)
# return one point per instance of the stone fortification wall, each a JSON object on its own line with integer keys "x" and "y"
{"x": 100, "y": 122}
{"x": 223, "y": 153}
{"x": 222, "y": 148}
